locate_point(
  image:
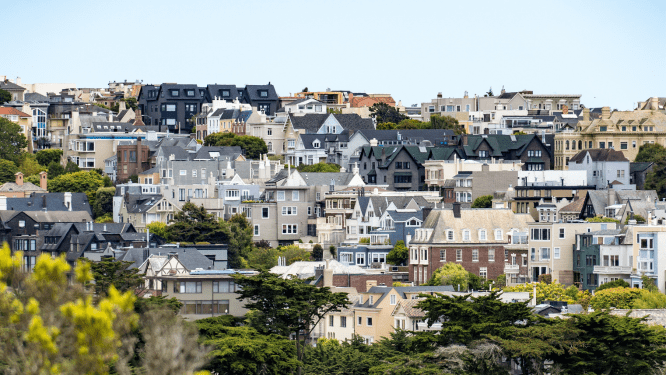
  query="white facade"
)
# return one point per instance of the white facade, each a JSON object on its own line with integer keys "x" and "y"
{"x": 553, "y": 178}
{"x": 602, "y": 173}
{"x": 305, "y": 107}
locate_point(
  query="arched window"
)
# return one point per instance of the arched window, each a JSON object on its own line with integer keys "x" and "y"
{"x": 269, "y": 145}
{"x": 573, "y": 145}
{"x": 567, "y": 145}
{"x": 580, "y": 145}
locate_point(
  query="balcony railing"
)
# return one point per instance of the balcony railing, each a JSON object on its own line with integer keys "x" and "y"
{"x": 511, "y": 268}
{"x": 612, "y": 269}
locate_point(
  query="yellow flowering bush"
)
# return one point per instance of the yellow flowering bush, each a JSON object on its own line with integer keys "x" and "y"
{"x": 553, "y": 292}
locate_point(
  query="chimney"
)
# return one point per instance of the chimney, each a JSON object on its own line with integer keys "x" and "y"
{"x": 3, "y": 203}
{"x": 456, "y": 210}
{"x": 173, "y": 254}
{"x": 439, "y": 95}
{"x": 373, "y": 142}
{"x": 43, "y": 180}
{"x": 68, "y": 201}
{"x": 586, "y": 114}
{"x": 328, "y": 275}
{"x": 121, "y": 106}
{"x": 605, "y": 113}
{"x": 137, "y": 118}
{"x": 369, "y": 284}
{"x": 351, "y": 97}
{"x": 19, "y": 178}
{"x": 654, "y": 103}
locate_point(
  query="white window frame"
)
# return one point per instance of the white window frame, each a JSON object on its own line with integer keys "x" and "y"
{"x": 256, "y": 230}
{"x": 295, "y": 195}
{"x": 280, "y": 196}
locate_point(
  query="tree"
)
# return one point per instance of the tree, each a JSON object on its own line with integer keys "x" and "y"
{"x": 12, "y": 141}
{"x": 29, "y": 165}
{"x": 383, "y": 112}
{"x": 77, "y": 182}
{"x": 5, "y": 96}
{"x": 619, "y": 283}
{"x": 55, "y": 169}
{"x": 450, "y": 274}
{"x": 318, "y": 253}
{"x": 158, "y": 228}
{"x": 194, "y": 224}
{"x": 294, "y": 253}
{"x": 109, "y": 272}
{"x": 143, "y": 305}
{"x": 243, "y": 350}
{"x": 8, "y": 170}
{"x": 409, "y": 124}
{"x": 331, "y": 249}
{"x": 238, "y": 235}
{"x": 386, "y": 126}
{"x": 484, "y": 201}
{"x": 399, "y": 254}
{"x": 252, "y": 146}
{"x": 131, "y": 103}
{"x": 263, "y": 258}
{"x": 48, "y": 156}
{"x": 613, "y": 345}
{"x": 104, "y": 201}
{"x": 320, "y": 167}
{"x": 287, "y": 306}
{"x": 446, "y": 122}
{"x": 71, "y": 167}
{"x": 651, "y": 152}
{"x": 553, "y": 292}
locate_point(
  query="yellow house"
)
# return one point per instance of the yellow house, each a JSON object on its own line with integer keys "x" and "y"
{"x": 621, "y": 130}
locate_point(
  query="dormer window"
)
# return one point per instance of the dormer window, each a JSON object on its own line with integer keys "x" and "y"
{"x": 226, "y": 93}
{"x": 174, "y": 92}
{"x": 189, "y": 93}
{"x": 263, "y": 93}
{"x": 316, "y": 144}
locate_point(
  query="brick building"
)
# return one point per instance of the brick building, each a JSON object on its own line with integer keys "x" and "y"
{"x": 486, "y": 242}
{"x": 133, "y": 158}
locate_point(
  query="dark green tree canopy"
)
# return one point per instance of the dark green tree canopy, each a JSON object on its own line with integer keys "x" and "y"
{"x": 5, "y": 96}
{"x": 48, "y": 156}
{"x": 383, "y": 112}
{"x": 12, "y": 142}
{"x": 399, "y": 254}
{"x": 484, "y": 201}
{"x": 117, "y": 273}
{"x": 7, "y": 171}
{"x": 319, "y": 167}
{"x": 252, "y": 146}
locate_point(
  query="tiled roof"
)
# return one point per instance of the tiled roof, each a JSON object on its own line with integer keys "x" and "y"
{"x": 50, "y": 202}
{"x": 639, "y": 166}
{"x": 13, "y": 112}
{"x": 576, "y": 205}
{"x": 190, "y": 257}
{"x": 6, "y": 85}
{"x": 369, "y": 101}
{"x": 27, "y": 186}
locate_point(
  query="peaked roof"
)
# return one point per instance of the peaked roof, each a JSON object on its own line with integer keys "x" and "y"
{"x": 500, "y": 144}
{"x": 190, "y": 257}
{"x": 599, "y": 154}
{"x": 311, "y": 122}
{"x": 10, "y": 111}
{"x": 50, "y": 202}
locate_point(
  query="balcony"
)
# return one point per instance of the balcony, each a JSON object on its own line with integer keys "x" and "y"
{"x": 511, "y": 268}
{"x": 610, "y": 270}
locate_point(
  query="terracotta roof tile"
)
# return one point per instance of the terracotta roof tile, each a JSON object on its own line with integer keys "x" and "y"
{"x": 12, "y": 112}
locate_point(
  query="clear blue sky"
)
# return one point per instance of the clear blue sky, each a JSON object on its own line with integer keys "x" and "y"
{"x": 611, "y": 52}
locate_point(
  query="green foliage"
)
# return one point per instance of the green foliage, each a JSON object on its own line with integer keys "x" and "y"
{"x": 383, "y": 112}
{"x": 450, "y": 274}
{"x": 71, "y": 167}
{"x": 599, "y": 219}
{"x": 101, "y": 106}
{"x": 650, "y": 300}
{"x": 620, "y": 298}
{"x": 134, "y": 178}
{"x": 287, "y": 306}
{"x": 332, "y": 250}
{"x": 7, "y": 171}
{"x": 5, "y": 96}
{"x": 158, "y": 228}
{"x": 319, "y": 167}
{"x": 613, "y": 345}
{"x": 552, "y": 292}
{"x": 263, "y": 258}
{"x": 399, "y": 254}
{"x": 29, "y": 166}
{"x": 143, "y": 305}
{"x": 243, "y": 350}
{"x": 55, "y": 169}
{"x": 109, "y": 272}
{"x": 501, "y": 281}
{"x": 386, "y": 126}
{"x": 649, "y": 283}
{"x": 546, "y": 278}
{"x": 317, "y": 253}
{"x": 131, "y": 103}
{"x": 639, "y": 219}
{"x": 651, "y": 152}
{"x": 253, "y": 146}
{"x": 619, "y": 283}
{"x": 484, "y": 201}
{"x": 77, "y": 182}
{"x": 106, "y": 218}
{"x": 104, "y": 201}
{"x": 34, "y": 179}
{"x": 294, "y": 253}
{"x": 12, "y": 141}
{"x": 410, "y": 124}
{"x": 446, "y": 122}
{"x": 48, "y": 156}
